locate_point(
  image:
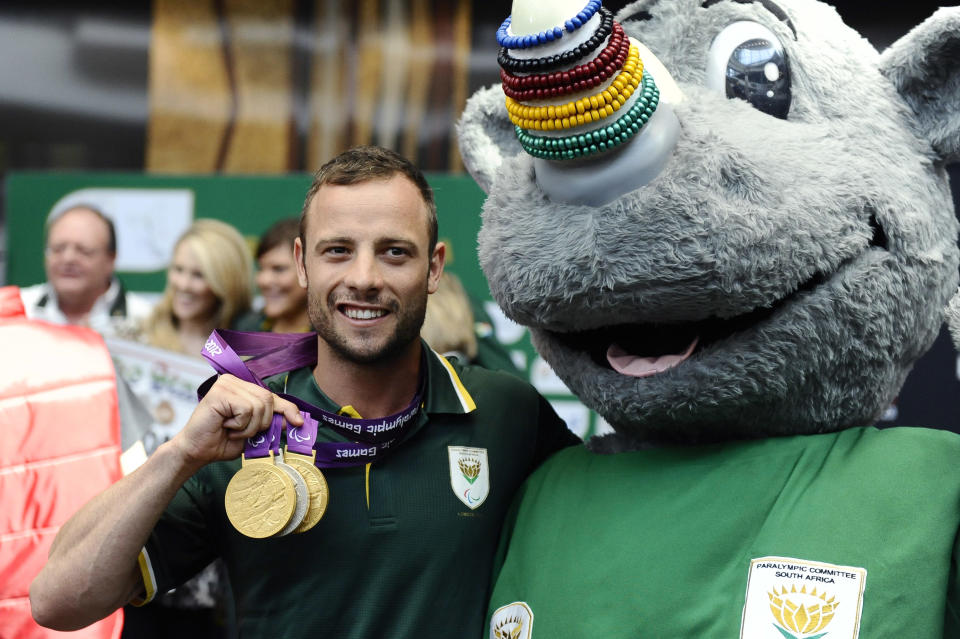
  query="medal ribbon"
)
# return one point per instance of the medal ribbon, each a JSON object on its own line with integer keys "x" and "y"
{"x": 272, "y": 353}
{"x": 263, "y": 442}
{"x": 300, "y": 439}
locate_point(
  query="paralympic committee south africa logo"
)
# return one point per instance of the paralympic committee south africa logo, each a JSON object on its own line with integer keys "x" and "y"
{"x": 802, "y": 615}
{"x": 799, "y": 599}
{"x": 469, "y": 474}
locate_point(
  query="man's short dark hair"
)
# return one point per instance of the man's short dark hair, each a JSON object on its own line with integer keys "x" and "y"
{"x": 365, "y": 163}
{"x": 111, "y": 231}
{"x": 280, "y": 233}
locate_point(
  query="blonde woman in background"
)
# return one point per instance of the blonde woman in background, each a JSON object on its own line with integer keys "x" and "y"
{"x": 448, "y": 325}
{"x": 208, "y": 287}
{"x": 457, "y": 325}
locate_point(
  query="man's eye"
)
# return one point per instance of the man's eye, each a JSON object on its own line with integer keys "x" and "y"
{"x": 396, "y": 251}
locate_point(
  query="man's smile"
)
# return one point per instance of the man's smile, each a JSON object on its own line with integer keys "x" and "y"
{"x": 359, "y": 313}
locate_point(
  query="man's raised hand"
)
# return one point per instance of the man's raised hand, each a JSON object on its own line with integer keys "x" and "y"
{"x": 231, "y": 411}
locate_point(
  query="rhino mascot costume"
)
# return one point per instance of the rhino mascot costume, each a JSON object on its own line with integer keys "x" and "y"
{"x": 730, "y": 231}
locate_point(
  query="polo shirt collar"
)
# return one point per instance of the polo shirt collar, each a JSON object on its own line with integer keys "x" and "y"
{"x": 445, "y": 392}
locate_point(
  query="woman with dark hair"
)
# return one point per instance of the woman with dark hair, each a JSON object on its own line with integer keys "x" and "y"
{"x": 284, "y": 300}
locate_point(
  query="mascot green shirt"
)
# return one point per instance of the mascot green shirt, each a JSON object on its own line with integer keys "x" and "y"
{"x": 827, "y": 535}
{"x": 729, "y": 228}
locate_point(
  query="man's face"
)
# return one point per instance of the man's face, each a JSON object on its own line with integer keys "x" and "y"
{"x": 367, "y": 268}
{"x": 77, "y": 260}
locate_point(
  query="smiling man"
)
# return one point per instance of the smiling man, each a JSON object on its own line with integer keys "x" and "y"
{"x": 406, "y": 544}
{"x": 81, "y": 287}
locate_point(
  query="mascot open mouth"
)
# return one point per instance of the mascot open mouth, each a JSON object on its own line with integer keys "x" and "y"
{"x": 647, "y": 349}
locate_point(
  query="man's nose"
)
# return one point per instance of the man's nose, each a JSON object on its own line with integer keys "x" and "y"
{"x": 364, "y": 272}
{"x": 70, "y": 252}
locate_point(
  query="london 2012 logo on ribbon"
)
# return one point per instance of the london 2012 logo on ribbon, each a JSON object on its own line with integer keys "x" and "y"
{"x": 212, "y": 347}
{"x": 790, "y": 598}
{"x": 469, "y": 474}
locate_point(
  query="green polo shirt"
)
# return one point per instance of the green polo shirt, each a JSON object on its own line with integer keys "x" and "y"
{"x": 851, "y": 534}
{"x": 401, "y": 551}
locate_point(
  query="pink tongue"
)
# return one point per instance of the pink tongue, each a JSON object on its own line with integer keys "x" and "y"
{"x": 628, "y": 364}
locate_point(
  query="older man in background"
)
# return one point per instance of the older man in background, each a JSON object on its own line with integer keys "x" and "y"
{"x": 81, "y": 287}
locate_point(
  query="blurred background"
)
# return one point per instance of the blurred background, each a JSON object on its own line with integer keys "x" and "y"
{"x": 259, "y": 86}
{"x": 269, "y": 88}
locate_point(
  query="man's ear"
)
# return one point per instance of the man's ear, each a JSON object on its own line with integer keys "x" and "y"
{"x": 486, "y": 135}
{"x": 298, "y": 260}
{"x": 437, "y": 261}
{"x": 924, "y": 66}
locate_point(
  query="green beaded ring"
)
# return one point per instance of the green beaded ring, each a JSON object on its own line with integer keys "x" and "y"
{"x": 599, "y": 140}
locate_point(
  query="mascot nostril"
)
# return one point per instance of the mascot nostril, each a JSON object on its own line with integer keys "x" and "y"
{"x": 740, "y": 300}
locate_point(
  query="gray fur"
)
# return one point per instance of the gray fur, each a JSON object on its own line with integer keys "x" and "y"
{"x": 925, "y": 67}
{"x": 487, "y": 135}
{"x": 953, "y": 319}
{"x": 748, "y": 213}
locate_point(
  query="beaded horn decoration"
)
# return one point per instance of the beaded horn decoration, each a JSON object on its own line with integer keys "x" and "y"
{"x": 580, "y": 78}
{"x": 504, "y": 39}
{"x": 585, "y": 110}
{"x": 557, "y": 61}
{"x": 575, "y": 128}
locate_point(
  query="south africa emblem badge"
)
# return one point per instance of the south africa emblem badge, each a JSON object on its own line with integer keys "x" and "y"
{"x": 790, "y": 598}
{"x": 469, "y": 474}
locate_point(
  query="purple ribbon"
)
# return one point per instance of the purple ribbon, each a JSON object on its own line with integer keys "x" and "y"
{"x": 265, "y": 441}
{"x": 301, "y": 439}
{"x": 272, "y": 353}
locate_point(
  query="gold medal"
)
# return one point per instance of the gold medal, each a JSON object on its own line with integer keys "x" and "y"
{"x": 316, "y": 487}
{"x": 260, "y": 498}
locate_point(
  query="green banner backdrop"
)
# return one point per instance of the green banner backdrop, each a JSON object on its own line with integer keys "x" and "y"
{"x": 150, "y": 211}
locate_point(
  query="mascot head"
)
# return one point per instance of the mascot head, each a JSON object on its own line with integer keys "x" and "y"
{"x": 768, "y": 251}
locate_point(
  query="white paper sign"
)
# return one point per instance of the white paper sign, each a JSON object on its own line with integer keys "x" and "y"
{"x": 164, "y": 381}
{"x": 148, "y": 221}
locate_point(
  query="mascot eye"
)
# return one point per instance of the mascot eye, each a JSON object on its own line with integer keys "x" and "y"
{"x": 747, "y": 61}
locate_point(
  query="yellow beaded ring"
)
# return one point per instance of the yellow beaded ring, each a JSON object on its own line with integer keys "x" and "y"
{"x": 585, "y": 110}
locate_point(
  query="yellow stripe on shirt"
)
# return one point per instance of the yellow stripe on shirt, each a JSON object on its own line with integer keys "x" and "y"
{"x": 149, "y": 580}
{"x": 465, "y": 400}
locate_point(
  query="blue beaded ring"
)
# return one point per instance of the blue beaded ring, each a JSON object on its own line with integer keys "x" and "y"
{"x": 508, "y": 41}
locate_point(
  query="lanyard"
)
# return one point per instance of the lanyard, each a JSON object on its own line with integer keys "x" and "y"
{"x": 271, "y": 353}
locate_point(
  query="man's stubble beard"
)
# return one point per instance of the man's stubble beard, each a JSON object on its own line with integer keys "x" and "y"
{"x": 364, "y": 350}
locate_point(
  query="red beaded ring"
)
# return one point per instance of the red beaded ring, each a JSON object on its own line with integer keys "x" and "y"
{"x": 580, "y": 78}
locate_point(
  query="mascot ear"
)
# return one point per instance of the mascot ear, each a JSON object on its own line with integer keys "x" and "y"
{"x": 953, "y": 319}
{"x": 924, "y": 66}
{"x": 486, "y": 135}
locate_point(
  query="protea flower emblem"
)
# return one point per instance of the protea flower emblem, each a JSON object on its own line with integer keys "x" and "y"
{"x": 508, "y": 628}
{"x": 470, "y": 468}
{"x": 801, "y": 612}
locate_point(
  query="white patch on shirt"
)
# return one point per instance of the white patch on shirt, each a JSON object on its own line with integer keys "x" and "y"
{"x": 798, "y": 599}
{"x": 469, "y": 474}
{"x": 513, "y": 621}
